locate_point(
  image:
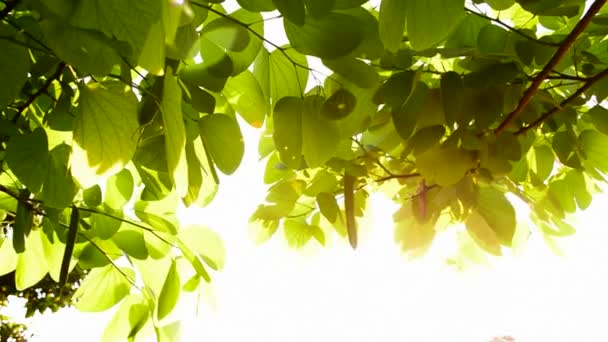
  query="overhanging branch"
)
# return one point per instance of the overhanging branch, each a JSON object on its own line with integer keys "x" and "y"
{"x": 590, "y": 82}
{"x": 557, "y": 57}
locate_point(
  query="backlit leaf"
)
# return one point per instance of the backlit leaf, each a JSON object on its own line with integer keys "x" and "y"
{"x": 287, "y": 122}
{"x": 105, "y": 131}
{"x": 223, "y": 141}
{"x": 392, "y": 23}
{"x": 169, "y": 294}
{"x": 175, "y": 133}
{"x": 424, "y": 16}
{"x": 103, "y": 288}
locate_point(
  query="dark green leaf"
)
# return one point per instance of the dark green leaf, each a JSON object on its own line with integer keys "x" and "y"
{"x": 287, "y": 122}
{"x": 331, "y": 36}
{"x": 27, "y": 156}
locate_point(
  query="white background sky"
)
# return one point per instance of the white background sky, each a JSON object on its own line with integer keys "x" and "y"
{"x": 270, "y": 293}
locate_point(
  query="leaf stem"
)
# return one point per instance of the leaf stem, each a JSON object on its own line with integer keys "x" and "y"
{"x": 557, "y": 57}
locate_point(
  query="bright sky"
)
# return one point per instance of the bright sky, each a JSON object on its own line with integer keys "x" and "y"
{"x": 270, "y": 293}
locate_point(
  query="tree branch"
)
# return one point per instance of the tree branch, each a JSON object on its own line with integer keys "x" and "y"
{"x": 40, "y": 91}
{"x": 557, "y": 57}
{"x": 511, "y": 28}
{"x": 590, "y": 82}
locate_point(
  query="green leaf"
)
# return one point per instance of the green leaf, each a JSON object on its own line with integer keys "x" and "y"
{"x": 91, "y": 52}
{"x": 445, "y": 165}
{"x": 105, "y": 224}
{"x": 595, "y": 148}
{"x": 451, "y": 94}
{"x": 31, "y": 265}
{"x": 323, "y": 181}
{"x": 599, "y": 118}
{"x": 105, "y": 131}
{"x": 397, "y": 90}
{"x": 577, "y": 185}
{"x": 200, "y": 75}
{"x": 292, "y": 10}
{"x": 102, "y": 288}
{"x": 492, "y": 39}
{"x": 284, "y": 77}
{"x": 175, "y": 133}
{"x": 261, "y": 231}
{"x": 152, "y": 57}
{"x": 129, "y": 22}
{"x": 424, "y": 16}
{"x": 59, "y": 188}
{"x": 130, "y": 318}
{"x": 339, "y": 105}
{"x": 169, "y": 294}
{"x": 245, "y": 95}
{"x": 275, "y": 170}
{"x": 331, "y": 36}
{"x": 226, "y": 34}
{"x": 498, "y": 213}
{"x": 410, "y": 234}
{"x": 119, "y": 189}
{"x": 355, "y": 70}
{"x": 287, "y": 122}
{"x": 92, "y": 196}
{"x": 206, "y": 243}
{"x": 14, "y": 66}
{"x": 426, "y": 138}
{"x": 543, "y": 161}
{"x": 317, "y": 8}
{"x": 482, "y": 233}
{"x": 297, "y": 233}
{"x": 201, "y": 100}
{"x": 328, "y": 206}
{"x": 392, "y": 23}
{"x": 132, "y": 242}
{"x": 241, "y": 60}
{"x": 223, "y": 140}
{"x": 563, "y": 144}
{"x": 9, "y": 257}
{"x": 27, "y": 155}
{"x": 257, "y": 5}
{"x": 320, "y": 137}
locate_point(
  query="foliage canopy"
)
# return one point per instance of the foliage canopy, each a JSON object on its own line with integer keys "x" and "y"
{"x": 112, "y": 112}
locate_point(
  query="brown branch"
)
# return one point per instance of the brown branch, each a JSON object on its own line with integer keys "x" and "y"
{"x": 590, "y": 82}
{"x": 511, "y": 28}
{"x": 557, "y": 57}
{"x": 40, "y": 91}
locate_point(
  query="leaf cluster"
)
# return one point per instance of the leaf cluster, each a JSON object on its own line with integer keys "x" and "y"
{"x": 114, "y": 112}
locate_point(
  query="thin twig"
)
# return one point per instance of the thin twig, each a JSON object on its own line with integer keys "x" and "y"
{"x": 557, "y": 57}
{"x": 262, "y": 38}
{"x": 126, "y": 276}
{"x": 511, "y": 28}
{"x": 120, "y": 219}
{"x": 40, "y": 91}
{"x": 590, "y": 82}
